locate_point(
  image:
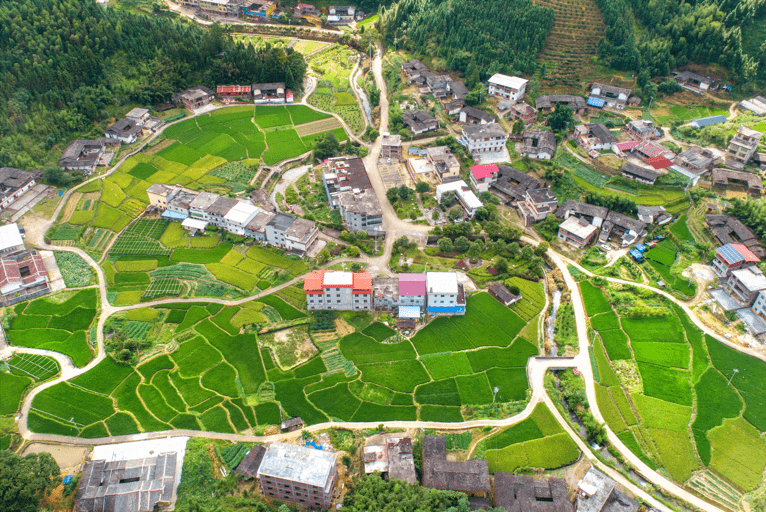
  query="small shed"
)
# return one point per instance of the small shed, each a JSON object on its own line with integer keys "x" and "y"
{"x": 502, "y": 294}
{"x": 292, "y": 424}
{"x": 248, "y": 468}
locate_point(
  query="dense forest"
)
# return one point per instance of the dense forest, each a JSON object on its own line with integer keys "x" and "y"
{"x": 484, "y": 36}
{"x": 65, "y": 65}
{"x": 676, "y": 32}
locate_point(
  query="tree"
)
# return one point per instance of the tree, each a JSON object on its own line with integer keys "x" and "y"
{"x": 352, "y": 251}
{"x": 513, "y": 248}
{"x": 512, "y": 287}
{"x": 25, "y": 480}
{"x": 501, "y": 265}
{"x": 402, "y": 243}
{"x": 391, "y": 195}
{"x": 462, "y": 244}
{"x": 448, "y": 199}
{"x": 326, "y": 146}
{"x": 492, "y": 229}
{"x": 474, "y": 250}
{"x": 456, "y": 212}
{"x": 561, "y": 117}
{"x": 422, "y": 187}
{"x": 435, "y": 215}
{"x": 404, "y": 192}
{"x": 445, "y": 245}
{"x": 356, "y": 267}
{"x": 542, "y": 248}
{"x": 361, "y": 235}
{"x": 518, "y": 127}
{"x": 481, "y": 214}
{"x": 527, "y": 253}
{"x": 536, "y": 263}
{"x": 323, "y": 256}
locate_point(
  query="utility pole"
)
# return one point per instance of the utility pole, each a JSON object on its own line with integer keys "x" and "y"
{"x": 732, "y": 376}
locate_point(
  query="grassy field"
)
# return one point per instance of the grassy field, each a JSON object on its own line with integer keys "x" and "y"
{"x": 333, "y": 93}
{"x": 654, "y": 369}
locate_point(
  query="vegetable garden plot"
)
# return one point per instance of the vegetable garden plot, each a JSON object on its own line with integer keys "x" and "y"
{"x": 270, "y": 116}
{"x": 664, "y": 252}
{"x": 35, "y": 366}
{"x": 137, "y": 244}
{"x": 594, "y": 299}
{"x": 163, "y": 287}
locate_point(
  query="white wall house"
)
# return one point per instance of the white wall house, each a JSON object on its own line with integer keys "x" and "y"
{"x": 508, "y": 87}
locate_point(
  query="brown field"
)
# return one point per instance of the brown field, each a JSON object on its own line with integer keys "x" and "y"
{"x": 320, "y": 126}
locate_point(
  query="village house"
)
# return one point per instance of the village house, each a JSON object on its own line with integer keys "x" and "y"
{"x": 538, "y": 204}
{"x": 523, "y": 112}
{"x": 744, "y": 285}
{"x": 482, "y": 140}
{"x": 508, "y": 87}
{"x": 512, "y": 184}
{"x": 595, "y": 137}
{"x": 470, "y": 115}
{"x": 707, "y": 121}
{"x": 139, "y": 115}
{"x": 502, "y": 294}
{"x": 694, "y": 81}
{"x": 652, "y": 214}
{"x": 248, "y": 468}
{"x": 595, "y": 215}
{"x": 628, "y": 229}
{"x": 445, "y": 296}
{"x": 482, "y": 176}
{"x": 522, "y": 493}
{"x": 419, "y": 121}
{"x": 391, "y": 147}
{"x": 639, "y": 174}
{"x": 291, "y": 424}
{"x": 22, "y": 275}
{"x": 647, "y": 149}
{"x": 697, "y": 159}
{"x": 609, "y": 95}
{"x": 11, "y": 239}
{"x": 341, "y": 14}
{"x": 470, "y": 476}
{"x": 413, "y": 69}
{"x": 260, "y": 9}
{"x": 729, "y": 230}
{"x": 361, "y": 211}
{"x": 731, "y": 257}
{"x": 546, "y": 104}
{"x": 458, "y": 89}
{"x": 302, "y": 9}
{"x": 14, "y": 183}
{"x": 642, "y": 130}
{"x": 385, "y": 293}
{"x": 394, "y": 459}
{"x": 596, "y": 492}
{"x": 742, "y": 147}
{"x": 195, "y": 97}
{"x": 298, "y": 474}
{"x": 464, "y": 195}
{"x": 229, "y": 8}
{"x": 346, "y": 291}
{"x": 445, "y": 165}
{"x": 349, "y": 190}
{"x": 759, "y": 306}
{"x": 438, "y": 85}
{"x": 412, "y": 290}
{"x": 577, "y": 231}
{"x": 271, "y": 93}
{"x": 232, "y": 93}
{"x": 453, "y": 107}
{"x": 724, "y": 178}
{"x": 538, "y": 144}
{"x": 87, "y": 155}
{"x": 125, "y": 130}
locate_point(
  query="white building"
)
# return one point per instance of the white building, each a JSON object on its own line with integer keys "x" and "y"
{"x": 11, "y": 240}
{"x": 445, "y": 294}
{"x": 464, "y": 195}
{"x": 482, "y": 139}
{"x": 508, "y": 87}
{"x": 759, "y": 306}
{"x": 238, "y": 217}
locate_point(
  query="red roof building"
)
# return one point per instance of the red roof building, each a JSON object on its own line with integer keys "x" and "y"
{"x": 228, "y": 92}
{"x": 483, "y": 175}
{"x": 22, "y": 277}
{"x": 362, "y": 283}
{"x": 332, "y": 289}
{"x": 659, "y": 162}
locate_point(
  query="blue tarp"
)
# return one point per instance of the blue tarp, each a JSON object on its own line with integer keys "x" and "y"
{"x": 167, "y": 214}
{"x": 596, "y": 102}
{"x": 637, "y": 255}
{"x": 641, "y": 247}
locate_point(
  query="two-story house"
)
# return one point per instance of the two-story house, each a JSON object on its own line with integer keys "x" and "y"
{"x": 731, "y": 257}
{"x": 485, "y": 139}
{"x": 346, "y": 291}
{"x": 482, "y": 176}
{"x": 444, "y": 294}
{"x": 537, "y": 205}
{"x": 508, "y": 87}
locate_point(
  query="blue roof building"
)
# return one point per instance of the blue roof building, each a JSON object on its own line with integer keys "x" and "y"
{"x": 641, "y": 247}
{"x": 596, "y": 102}
{"x": 637, "y": 255}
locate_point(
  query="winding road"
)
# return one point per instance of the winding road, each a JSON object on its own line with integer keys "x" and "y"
{"x": 536, "y": 368}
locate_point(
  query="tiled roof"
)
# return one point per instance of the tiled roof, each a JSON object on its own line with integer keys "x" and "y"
{"x": 362, "y": 281}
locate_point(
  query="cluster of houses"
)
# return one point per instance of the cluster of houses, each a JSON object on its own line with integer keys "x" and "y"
{"x": 198, "y": 210}
{"x": 349, "y": 190}
{"x": 14, "y": 183}
{"x": 263, "y": 10}
{"x": 743, "y": 285}
{"x": 435, "y": 293}
{"x": 581, "y": 222}
{"x": 23, "y": 275}
{"x": 274, "y": 92}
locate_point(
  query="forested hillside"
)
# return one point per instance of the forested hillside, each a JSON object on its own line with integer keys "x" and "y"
{"x": 66, "y": 64}
{"x": 676, "y": 32}
{"x": 488, "y": 36}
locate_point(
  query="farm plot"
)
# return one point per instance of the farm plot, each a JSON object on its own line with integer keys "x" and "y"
{"x": 142, "y": 237}
{"x": 532, "y": 298}
{"x": 333, "y": 89}
{"x": 74, "y": 270}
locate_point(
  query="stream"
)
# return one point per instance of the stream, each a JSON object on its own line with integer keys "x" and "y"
{"x": 365, "y": 103}
{"x": 552, "y": 323}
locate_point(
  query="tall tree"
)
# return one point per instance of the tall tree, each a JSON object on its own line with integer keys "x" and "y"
{"x": 25, "y": 480}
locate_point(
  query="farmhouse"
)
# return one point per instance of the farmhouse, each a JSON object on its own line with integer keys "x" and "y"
{"x": 458, "y": 89}
{"x": 22, "y": 277}
{"x": 595, "y": 215}
{"x": 419, "y": 121}
{"x": 413, "y": 69}
{"x": 298, "y": 474}
{"x": 729, "y": 230}
{"x": 697, "y": 159}
{"x": 125, "y": 130}
{"x": 524, "y": 113}
{"x": 445, "y": 295}
{"x": 248, "y": 468}
{"x": 759, "y": 306}
{"x": 647, "y": 149}
{"x": 693, "y": 81}
{"x": 723, "y": 178}
{"x": 349, "y": 190}
{"x": 11, "y": 239}
{"x": 348, "y": 291}
{"x": 502, "y": 294}
{"x": 195, "y": 97}
{"x": 444, "y": 163}
{"x": 651, "y": 214}
{"x": 439, "y": 85}
{"x": 595, "y": 137}
{"x": 259, "y": 9}
{"x": 638, "y": 173}
{"x": 361, "y": 210}
{"x": 230, "y": 93}
{"x": 742, "y": 147}
{"x": 271, "y": 93}
{"x": 577, "y": 231}
{"x": 508, "y": 87}
{"x": 538, "y": 144}
{"x": 627, "y": 228}
{"x": 731, "y": 257}
{"x": 14, "y": 183}
{"x": 521, "y": 493}
{"x": 470, "y": 115}
{"x": 139, "y": 115}
{"x": 394, "y": 459}
{"x": 302, "y": 9}
{"x": 229, "y": 8}
{"x": 745, "y": 284}
{"x": 470, "y": 477}
{"x": 484, "y": 139}
{"x": 482, "y": 176}
{"x": 292, "y": 424}
{"x": 609, "y": 95}
{"x": 513, "y": 183}
{"x": 463, "y": 193}
{"x": 548, "y": 103}
{"x": 537, "y": 205}
{"x": 596, "y": 492}
{"x": 391, "y": 147}
{"x": 86, "y": 155}
{"x": 453, "y": 107}
{"x": 341, "y": 14}
{"x": 642, "y": 130}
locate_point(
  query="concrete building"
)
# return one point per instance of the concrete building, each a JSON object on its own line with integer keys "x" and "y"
{"x": 745, "y": 284}
{"x": 444, "y": 294}
{"x": 742, "y": 146}
{"x": 22, "y": 277}
{"x": 391, "y": 147}
{"x": 445, "y": 165}
{"x": 229, "y": 8}
{"x": 298, "y": 474}
{"x": 596, "y": 492}
{"x": 697, "y": 159}
{"x": 731, "y": 257}
{"x": 537, "y": 205}
{"x": 470, "y": 476}
{"x": 577, "y": 232}
{"x": 412, "y": 290}
{"x": 508, "y": 87}
{"x": 642, "y": 129}
{"x": 347, "y": 291}
{"x": 527, "y": 114}
{"x": 385, "y": 293}
{"x": 482, "y": 176}
{"x": 349, "y": 190}
{"x": 14, "y": 183}
{"x": 611, "y": 96}
{"x": 361, "y": 211}
{"x": 471, "y": 115}
{"x": 195, "y": 97}
{"x": 11, "y": 239}
{"x": 465, "y": 196}
{"x": 481, "y": 139}
{"x": 759, "y": 306}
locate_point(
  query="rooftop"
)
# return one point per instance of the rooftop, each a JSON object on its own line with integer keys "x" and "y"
{"x": 577, "y": 207}
{"x": 520, "y": 493}
{"x": 484, "y": 171}
{"x": 412, "y": 284}
{"x": 441, "y": 282}
{"x": 479, "y": 114}
{"x": 241, "y": 212}
{"x": 604, "y": 498}
{"x": 736, "y": 253}
{"x": 439, "y": 473}
{"x": 513, "y": 82}
{"x": 252, "y": 461}
{"x": 298, "y": 464}
{"x": 641, "y": 172}
{"x": 577, "y": 102}
{"x": 483, "y": 131}
{"x": 338, "y": 279}
{"x": 10, "y": 236}
{"x": 541, "y": 195}
{"x": 751, "y": 278}
{"x": 578, "y": 227}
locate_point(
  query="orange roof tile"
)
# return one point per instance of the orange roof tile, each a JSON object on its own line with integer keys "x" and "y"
{"x": 313, "y": 281}
{"x": 362, "y": 281}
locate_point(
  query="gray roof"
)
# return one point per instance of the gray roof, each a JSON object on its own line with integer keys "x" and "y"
{"x": 751, "y": 278}
{"x": 521, "y": 493}
{"x": 602, "y": 133}
{"x": 459, "y": 90}
{"x": 364, "y": 203}
{"x": 252, "y": 461}
{"x": 125, "y": 127}
{"x": 625, "y": 222}
{"x": 12, "y": 179}
{"x": 300, "y": 229}
{"x": 479, "y": 114}
{"x": 606, "y": 498}
{"x": 439, "y": 473}
{"x": 203, "y": 200}
{"x": 641, "y": 172}
{"x": 298, "y": 464}
{"x": 537, "y": 141}
{"x": 575, "y": 102}
{"x": 697, "y": 157}
{"x": 723, "y": 177}
{"x": 222, "y": 206}
{"x": 481, "y": 131}
{"x": 579, "y": 208}
{"x": 541, "y": 195}
{"x": 193, "y": 92}
{"x": 419, "y": 120}
{"x": 281, "y": 221}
